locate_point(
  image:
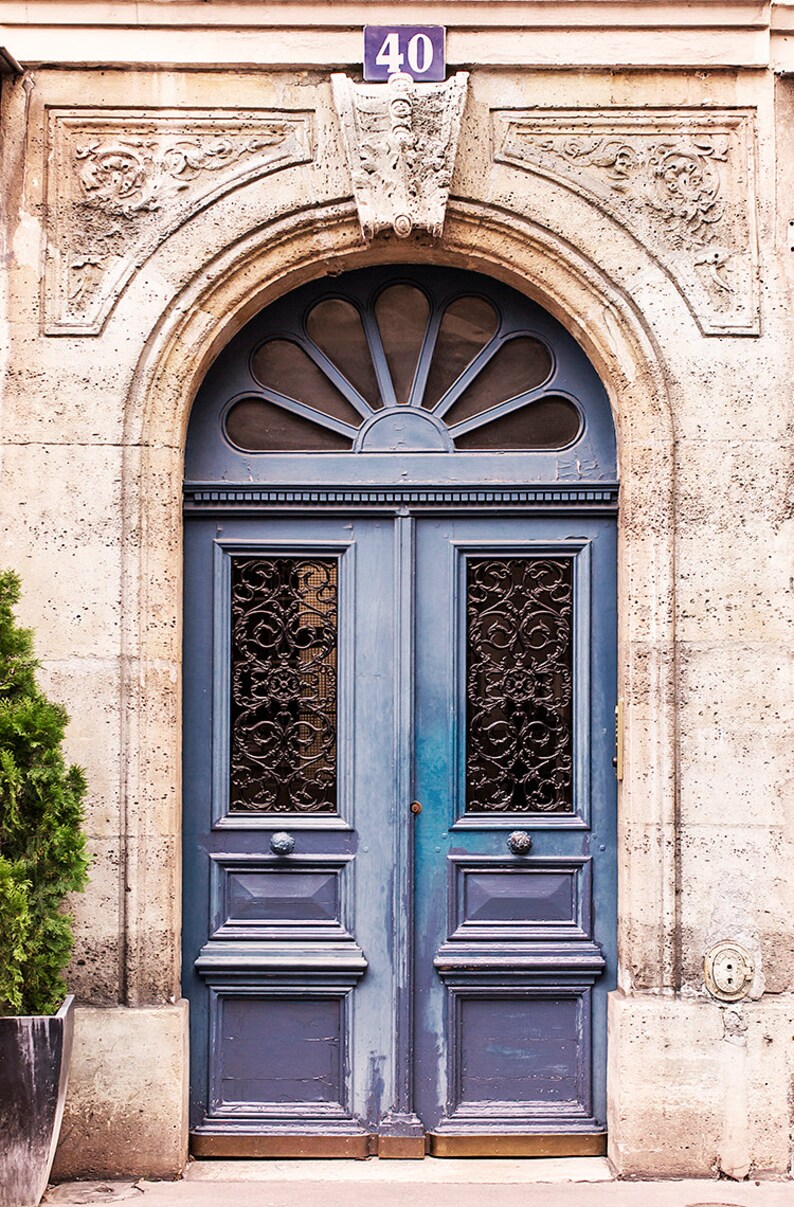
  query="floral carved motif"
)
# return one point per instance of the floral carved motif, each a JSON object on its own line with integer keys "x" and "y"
{"x": 121, "y": 182}
{"x": 401, "y": 140}
{"x": 679, "y": 180}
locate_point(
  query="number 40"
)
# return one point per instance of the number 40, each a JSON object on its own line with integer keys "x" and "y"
{"x": 419, "y": 53}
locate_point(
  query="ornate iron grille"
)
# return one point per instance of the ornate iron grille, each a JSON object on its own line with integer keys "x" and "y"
{"x": 283, "y": 685}
{"x": 519, "y": 685}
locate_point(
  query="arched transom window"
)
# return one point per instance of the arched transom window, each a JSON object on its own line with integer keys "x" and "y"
{"x": 404, "y": 359}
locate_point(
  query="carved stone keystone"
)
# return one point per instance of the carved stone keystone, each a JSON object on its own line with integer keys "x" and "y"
{"x": 401, "y": 139}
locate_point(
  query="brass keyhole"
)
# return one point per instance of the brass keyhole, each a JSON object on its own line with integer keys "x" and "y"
{"x": 416, "y": 806}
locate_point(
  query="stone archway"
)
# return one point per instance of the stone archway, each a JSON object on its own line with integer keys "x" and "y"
{"x": 216, "y": 301}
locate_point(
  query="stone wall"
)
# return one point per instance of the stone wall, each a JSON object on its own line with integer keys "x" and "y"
{"x": 648, "y": 210}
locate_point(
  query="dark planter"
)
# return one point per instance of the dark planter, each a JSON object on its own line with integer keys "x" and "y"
{"x": 34, "y": 1071}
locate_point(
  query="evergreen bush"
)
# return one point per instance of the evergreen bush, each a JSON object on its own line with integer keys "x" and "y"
{"x": 42, "y": 847}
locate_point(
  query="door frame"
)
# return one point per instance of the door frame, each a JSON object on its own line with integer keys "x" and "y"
{"x": 568, "y": 469}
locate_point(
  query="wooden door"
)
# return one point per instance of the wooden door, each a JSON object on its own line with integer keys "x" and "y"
{"x": 291, "y": 867}
{"x": 347, "y": 995}
{"x": 515, "y": 844}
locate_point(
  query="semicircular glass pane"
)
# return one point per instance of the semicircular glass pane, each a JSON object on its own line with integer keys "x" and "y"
{"x": 283, "y": 366}
{"x": 258, "y": 426}
{"x": 402, "y": 312}
{"x": 467, "y": 326}
{"x": 336, "y": 328}
{"x": 521, "y": 364}
{"x": 552, "y": 422}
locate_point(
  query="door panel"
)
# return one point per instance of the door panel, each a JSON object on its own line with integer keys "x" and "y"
{"x": 515, "y": 655}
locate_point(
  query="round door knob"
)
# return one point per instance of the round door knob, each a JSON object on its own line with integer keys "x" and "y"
{"x": 282, "y": 843}
{"x": 519, "y": 842}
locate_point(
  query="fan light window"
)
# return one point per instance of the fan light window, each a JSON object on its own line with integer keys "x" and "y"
{"x": 401, "y": 371}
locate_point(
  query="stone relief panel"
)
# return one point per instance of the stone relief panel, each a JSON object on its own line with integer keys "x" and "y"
{"x": 680, "y": 180}
{"x": 120, "y": 181}
{"x": 401, "y": 139}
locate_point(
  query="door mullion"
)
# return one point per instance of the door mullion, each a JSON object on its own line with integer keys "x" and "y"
{"x": 400, "y": 1127}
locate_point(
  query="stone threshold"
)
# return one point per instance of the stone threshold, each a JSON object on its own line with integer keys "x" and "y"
{"x": 450, "y": 1170}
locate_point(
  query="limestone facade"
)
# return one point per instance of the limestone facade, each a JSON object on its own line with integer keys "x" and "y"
{"x": 167, "y": 171}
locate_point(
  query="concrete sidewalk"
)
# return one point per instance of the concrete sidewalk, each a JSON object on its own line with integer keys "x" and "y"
{"x": 584, "y": 1182}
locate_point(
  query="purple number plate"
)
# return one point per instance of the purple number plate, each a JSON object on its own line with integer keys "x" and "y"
{"x": 415, "y": 50}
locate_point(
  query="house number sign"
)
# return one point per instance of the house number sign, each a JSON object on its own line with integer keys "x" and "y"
{"x": 415, "y": 50}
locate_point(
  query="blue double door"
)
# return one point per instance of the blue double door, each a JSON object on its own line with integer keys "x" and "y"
{"x": 399, "y": 819}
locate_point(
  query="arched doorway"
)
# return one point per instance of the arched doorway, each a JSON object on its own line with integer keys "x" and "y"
{"x": 399, "y": 680}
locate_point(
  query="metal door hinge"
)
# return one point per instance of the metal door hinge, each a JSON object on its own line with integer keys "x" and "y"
{"x": 617, "y": 761}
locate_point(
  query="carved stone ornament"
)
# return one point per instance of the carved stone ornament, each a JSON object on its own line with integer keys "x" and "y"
{"x": 120, "y": 181}
{"x": 680, "y": 180}
{"x": 401, "y": 139}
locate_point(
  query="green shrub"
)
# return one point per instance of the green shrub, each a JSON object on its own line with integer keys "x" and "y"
{"x": 42, "y": 848}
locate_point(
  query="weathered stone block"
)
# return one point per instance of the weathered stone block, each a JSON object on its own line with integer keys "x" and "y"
{"x": 126, "y": 1111}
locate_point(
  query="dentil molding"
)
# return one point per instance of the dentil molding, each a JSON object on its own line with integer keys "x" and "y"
{"x": 120, "y": 181}
{"x": 401, "y": 139}
{"x": 682, "y": 181}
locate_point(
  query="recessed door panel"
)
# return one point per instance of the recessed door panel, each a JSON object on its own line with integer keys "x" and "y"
{"x": 279, "y": 1054}
{"x": 259, "y": 896}
{"x": 499, "y": 897}
{"x": 519, "y": 1053}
